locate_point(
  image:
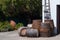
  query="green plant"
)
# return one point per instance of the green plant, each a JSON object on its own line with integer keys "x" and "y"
{"x": 5, "y": 26}
{"x": 19, "y": 25}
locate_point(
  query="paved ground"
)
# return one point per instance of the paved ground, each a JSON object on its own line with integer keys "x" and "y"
{"x": 13, "y": 35}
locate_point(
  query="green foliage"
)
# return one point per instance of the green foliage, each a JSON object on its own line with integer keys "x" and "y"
{"x": 19, "y": 25}
{"x": 5, "y": 26}
{"x": 23, "y": 10}
{"x": 18, "y": 7}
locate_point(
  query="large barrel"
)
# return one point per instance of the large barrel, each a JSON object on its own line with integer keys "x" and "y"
{"x": 45, "y": 29}
{"x": 52, "y": 26}
{"x": 22, "y": 31}
{"x": 32, "y": 33}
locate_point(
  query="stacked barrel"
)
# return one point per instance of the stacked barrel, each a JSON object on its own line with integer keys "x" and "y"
{"x": 22, "y": 31}
{"x": 36, "y": 25}
{"x": 38, "y": 29}
{"x": 51, "y": 25}
{"x": 32, "y": 33}
{"x": 29, "y": 32}
{"x": 45, "y": 30}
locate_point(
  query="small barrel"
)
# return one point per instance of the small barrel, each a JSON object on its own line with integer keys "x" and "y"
{"x": 51, "y": 23}
{"x": 22, "y": 31}
{"x": 32, "y": 33}
{"x": 36, "y": 24}
{"x": 45, "y": 30}
{"x": 52, "y": 26}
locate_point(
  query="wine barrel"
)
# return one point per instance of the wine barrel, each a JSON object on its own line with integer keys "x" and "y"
{"x": 32, "y": 33}
{"x": 36, "y": 24}
{"x": 45, "y": 29}
{"x": 22, "y": 31}
{"x": 52, "y": 26}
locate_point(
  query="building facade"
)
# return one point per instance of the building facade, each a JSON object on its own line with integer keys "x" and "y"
{"x": 54, "y": 12}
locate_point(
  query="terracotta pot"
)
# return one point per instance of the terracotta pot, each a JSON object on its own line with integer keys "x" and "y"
{"x": 13, "y": 24}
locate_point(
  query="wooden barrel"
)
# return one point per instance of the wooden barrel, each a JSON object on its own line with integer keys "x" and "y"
{"x": 32, "y": 33}
{"x": 36, "y": 24}
{"x": 52, "y": 26}
{"x": 22, "y": 31}
{"x": 45, "y": 29}
{"x": 51, "y": 23}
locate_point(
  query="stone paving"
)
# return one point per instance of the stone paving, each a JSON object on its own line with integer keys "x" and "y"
{"x": 13, "y": 35}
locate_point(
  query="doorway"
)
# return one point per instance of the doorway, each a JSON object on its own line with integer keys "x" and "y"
{"x": 58, "y": 18}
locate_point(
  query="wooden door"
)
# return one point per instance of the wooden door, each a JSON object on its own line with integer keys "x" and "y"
{"x": 58, "y": 18}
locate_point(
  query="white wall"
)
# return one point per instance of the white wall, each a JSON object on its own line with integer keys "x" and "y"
{"x": 53, "y": 6}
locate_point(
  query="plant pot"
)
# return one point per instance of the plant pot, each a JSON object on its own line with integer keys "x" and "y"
{"x": 13, "y": 24}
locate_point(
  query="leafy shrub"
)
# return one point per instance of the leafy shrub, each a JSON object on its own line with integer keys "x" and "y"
{"x": 19, "y": 25}
{"x": 5, "y": 26}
